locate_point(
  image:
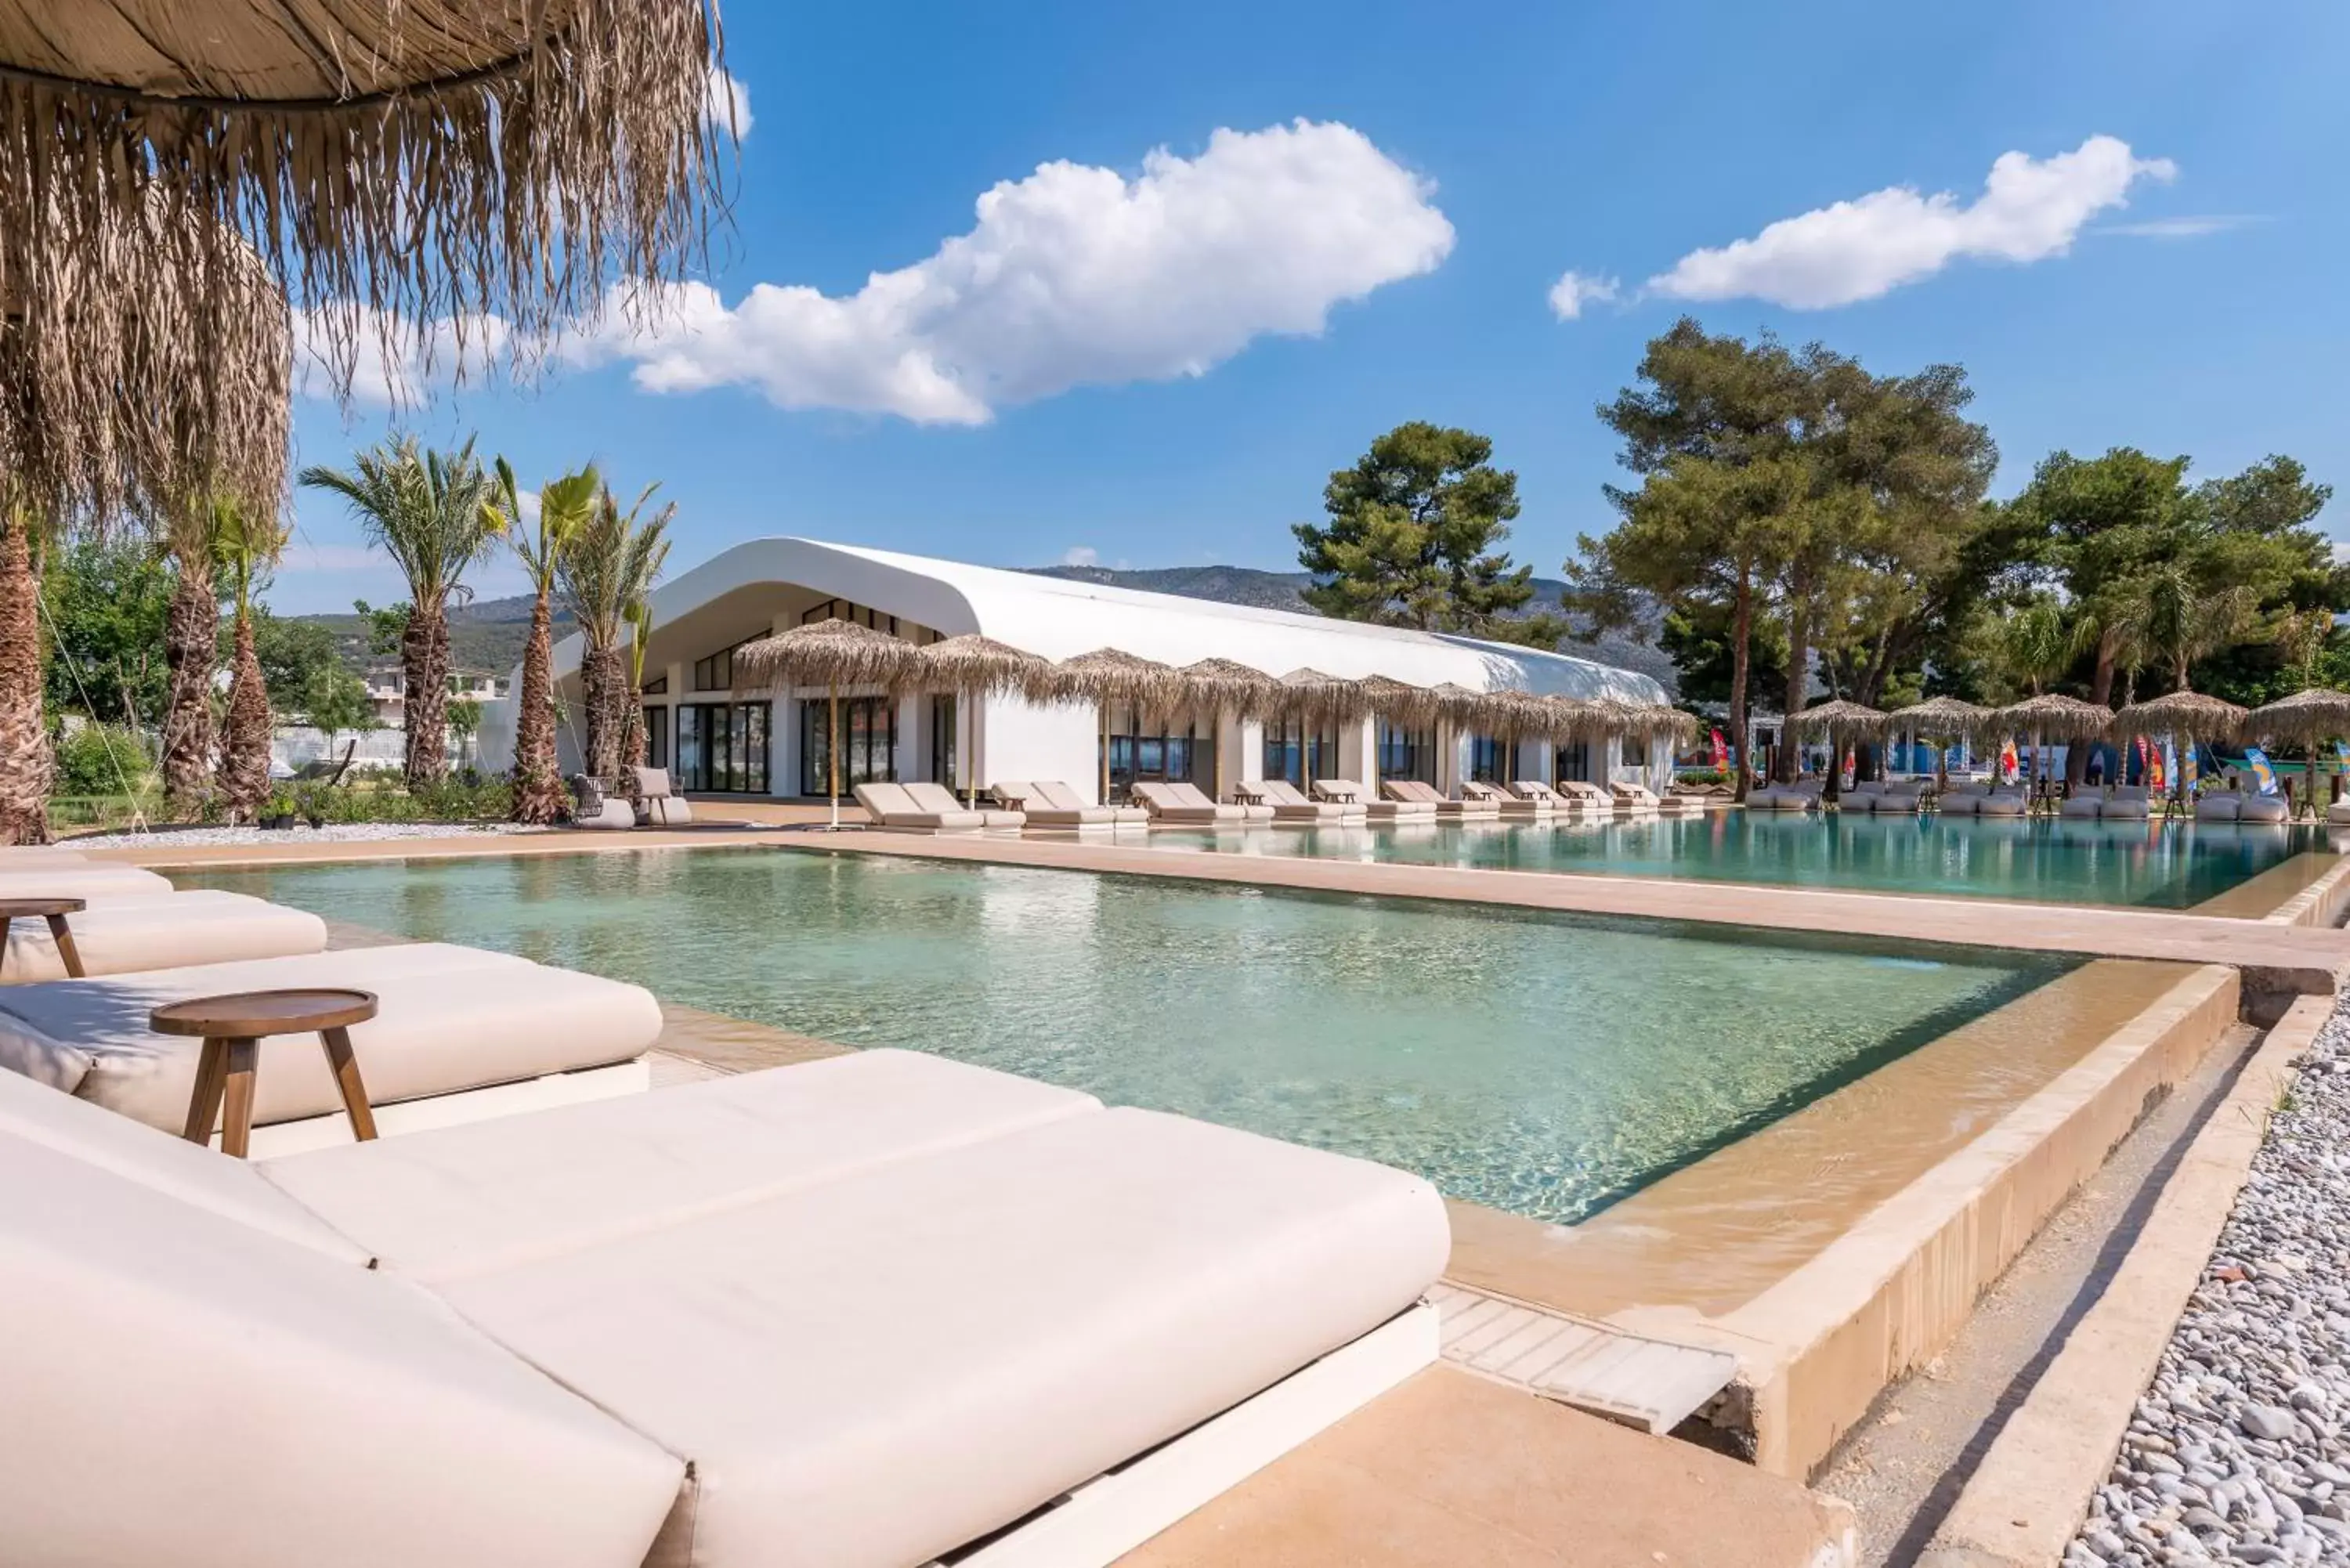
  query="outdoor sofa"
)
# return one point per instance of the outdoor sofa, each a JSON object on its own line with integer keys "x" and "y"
{"x": 1984, "y": 799}
{"x": 450, "y": 1021}
{"x": 855, "y": 1314}
{"x": 599, "y": 810}
{"x": 1183, "y": 805}
{"x": 889, "y": 806}
{"x": 122, "y": 935}
{"x": 2124, "y": 803}
{"x": 2235, "y": 805}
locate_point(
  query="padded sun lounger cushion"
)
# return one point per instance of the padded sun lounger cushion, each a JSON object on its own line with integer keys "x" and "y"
{"x": 87, "y": 880}
{"x": 448, "y": 1019}
{"x": 185, "y": 1390}
{"x": 230, "y": 1188}
{"x": 871, "y": 1372}
{"x": 162, "y": 931}
{"x": 461, "y": 1200}
{"x": 942, "y": 802}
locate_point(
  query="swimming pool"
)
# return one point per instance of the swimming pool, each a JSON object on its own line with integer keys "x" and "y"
{"x": 2052, "y": 861}
{"x": 1542, "y": 1064}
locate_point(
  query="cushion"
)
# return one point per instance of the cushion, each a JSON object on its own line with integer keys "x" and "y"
{"x": 873, "y": 1371}
{"x": 78, "y": 879}
{"x": 448, "y": 1019}
{"x": 191, "y": 1172}
{"x": 187, "y": 1389}
{"x": 162, "y": 931}
{"x": 1059, "y": 795}
{"x": 652, "y": 784}
{"x": 442, "y": 1204}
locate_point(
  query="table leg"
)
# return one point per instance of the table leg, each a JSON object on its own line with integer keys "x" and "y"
{"x": 236, "y": 1128}
{"x": 203, "y": 1106}
{"x": 346, "y": 1079}
{"x": 62, "y": 934}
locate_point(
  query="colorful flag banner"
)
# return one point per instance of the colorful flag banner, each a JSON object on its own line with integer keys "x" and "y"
{"x": 2009, "y": 764}
{"x": 2263, "y": 773}
{"x": 1721, "y": 752}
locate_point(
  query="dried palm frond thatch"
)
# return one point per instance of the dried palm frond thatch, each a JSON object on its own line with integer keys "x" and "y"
{"x": 1399, "y": 702}
{"x": 144, "y": 371}
{"x": 1467, "y": 709}
{"x": 2303, "y": 719}
{"x": 1226, "y": 686}
{"x": 1837, "y": 718}
{"x": 1314, "y": 699}
{"x": 2055, "y": 716}
{"x": 831, "y": 654}
{"x": 2182, "y": 714}
{"x": 493, "y": 164}
{"x": 1111, "y": 677}
{"x": 972, "y": 667}
{"x": 1941, "y": 717}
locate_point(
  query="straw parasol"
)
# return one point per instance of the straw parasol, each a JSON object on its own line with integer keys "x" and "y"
{"x": 1313, "y": 698}
{"x": 832, "y": 654}
{"x": 973, "y": 666}
{"x": 1110, "y": 675}
{"x": 1941, "y": 720}
{"x": 1226, "y": 686}
{"x": 2304, "y": 719}
{"x": 1840, "y": 721}
{"x": 1399, "y": 701}
{"x": 2054, "y": 715}
{"x": 2190, "y": 715}
{"x": 1457, "y": 705}
{"x": 493, "y": 163}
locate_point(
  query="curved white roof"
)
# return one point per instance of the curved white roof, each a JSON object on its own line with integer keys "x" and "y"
{"x": 1059, "y": 618}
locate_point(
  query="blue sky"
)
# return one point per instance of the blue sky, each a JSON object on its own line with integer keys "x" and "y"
{"x": 1124, "y": 360}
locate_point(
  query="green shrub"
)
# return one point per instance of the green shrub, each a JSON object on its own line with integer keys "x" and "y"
{"x": 101, "y": 760}
{"x": 463, "y": 797}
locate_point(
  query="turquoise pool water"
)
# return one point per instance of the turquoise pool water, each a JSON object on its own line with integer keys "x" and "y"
{"x": 2058, "y": 862}
{"x": 1537, "y": 1063}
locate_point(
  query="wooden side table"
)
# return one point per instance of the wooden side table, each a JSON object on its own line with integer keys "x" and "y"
{"x": 231, "y": 1026}
{"x": 53, "y": 910}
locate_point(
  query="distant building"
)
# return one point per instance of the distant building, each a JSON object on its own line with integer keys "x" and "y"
{"x": 716, "y": 736}
{"x": 387, "y": 690}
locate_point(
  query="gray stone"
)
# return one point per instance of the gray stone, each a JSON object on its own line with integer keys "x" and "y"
{"x": 2267, "y": 1421}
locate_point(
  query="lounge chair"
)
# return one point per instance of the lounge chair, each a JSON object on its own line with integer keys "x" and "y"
{"x": 78, "y": 878}
{"x": 1346, "y": 795}
{"x": 2082, "y": 805}
{"x": 1503, "y": 803}
{"x": 1030, "y": 801}
{"x": 1418, "y": 792}
{"x": 940, "y": 801}
{"x": 857, "y": 1313}
{"x": 890, "y": 806}
{"x": 1639, "y": 800}
{"x": 1289, "y": 807}
{"x": 1579, "y": 796}
{"x": 1887, "y": 797}
{"x": 1183, "y": 805}
{"x": 450, "y": 1020}
{"x": 1779, "y": 797}
{"x": 1535, "y": 793}
{"x": 656, "y": 805}
{"x": 162, "y": 931}
{"x": 1393, "y": 807}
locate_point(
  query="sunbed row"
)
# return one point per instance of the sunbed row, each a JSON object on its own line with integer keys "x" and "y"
{"x": 933, "y": 809}
{"x": 867, "y": 1310}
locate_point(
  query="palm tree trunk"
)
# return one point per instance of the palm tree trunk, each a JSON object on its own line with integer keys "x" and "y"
{"x": 539, "y": 783}
{"x": 25, "y": 762}
{"x": 191, "y": 647}
{"x": 245, "y": 754}
{"x": 603, "y": 686}
{"x": 424, "y": 661}
{"x": 1799, "y": 675}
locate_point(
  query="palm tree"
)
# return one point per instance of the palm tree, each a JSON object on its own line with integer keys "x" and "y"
{"x": 607, "y": 571}
{"x": 2035, "y": 646}
{"x": 564, "y": 507}
{"x": 633, "y": 703}
{"x": 190, "y": 648}
{"x": 2184, "y": 618}
{"x": 24, "y": 761}
{"x": 435, "y": 513}
{"x": 247, "y": 543}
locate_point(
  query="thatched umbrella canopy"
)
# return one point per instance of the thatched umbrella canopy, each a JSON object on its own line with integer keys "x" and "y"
{"x": 1665, "y": 719}
{"x": 832, "y": 654}
{"x": 476, "y": 160}
{"x": 1226, "y": 686}
{"x": 973, "y": 667}
{"x": 1399, "y": 701}
{"x": 1110, "y": 676}
{"x": 1456, "y": 704}
{"x": 2182, "y": 714}
{"x": 1313, "y": 698}
{"x": 1943, "y": 718}
{"x": 2304, "y": 719}
{"x": 1837, "y": 718}
{"x": 2056, "y": 716}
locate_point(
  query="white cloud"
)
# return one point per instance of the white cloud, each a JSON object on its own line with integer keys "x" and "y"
{"x": 1075, "y": 274}
{"x": 2029, "y": 209}
{"x": 726, "y": 100}
{"x": 1081, "y": 556}
{"x": 1573, "y": 290}
{"x": 2189, "y": 227}
{"x": 398, "y": 368}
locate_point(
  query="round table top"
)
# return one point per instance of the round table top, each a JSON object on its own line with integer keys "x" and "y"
{"x": 249, "y": 1014}
{"x": 30, "y": 908}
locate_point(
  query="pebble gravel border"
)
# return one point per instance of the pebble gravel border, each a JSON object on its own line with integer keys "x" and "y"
{"x": 2240, "y": 1449}
{"x": 334, "y": 833}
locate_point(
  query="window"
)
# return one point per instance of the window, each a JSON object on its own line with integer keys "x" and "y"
{"x": 1299, "y": 755}
{"x": 1155, "y": 754}
{"x": 868, "y": 743}
{"x": 942, "y": 740}
{"x": 714, "y": 673}
{"x": 1488, "y": 760}
{"x": 722, "y": 748}
{"x": 1407, "y": 754}
{"x": 1574, "y": 763}
{"x": 657, "y": 686}
{"x": 656, "y": 735}
{"x": 866, "y": 614}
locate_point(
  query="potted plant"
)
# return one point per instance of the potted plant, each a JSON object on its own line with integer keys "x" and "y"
{"x": 278, "y": 815}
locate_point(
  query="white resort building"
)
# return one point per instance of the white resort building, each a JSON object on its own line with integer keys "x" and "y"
{"x": 718, "y": 736}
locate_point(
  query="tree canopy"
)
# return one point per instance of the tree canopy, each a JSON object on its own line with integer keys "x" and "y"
{"x": 1413, "y": 539}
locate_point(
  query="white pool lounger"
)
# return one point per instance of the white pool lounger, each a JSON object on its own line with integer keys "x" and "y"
{"x": 162, "y": 931}
{"x": 451, "y": 1019}
{"x": 853, "y": 1315}
{"x": 73, "y": 877}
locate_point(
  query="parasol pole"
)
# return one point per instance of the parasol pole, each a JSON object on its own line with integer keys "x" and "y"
{"x": 968, "y": 721}
{"x": 832, "y": 752}
{"x": 1105, "y": 752}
